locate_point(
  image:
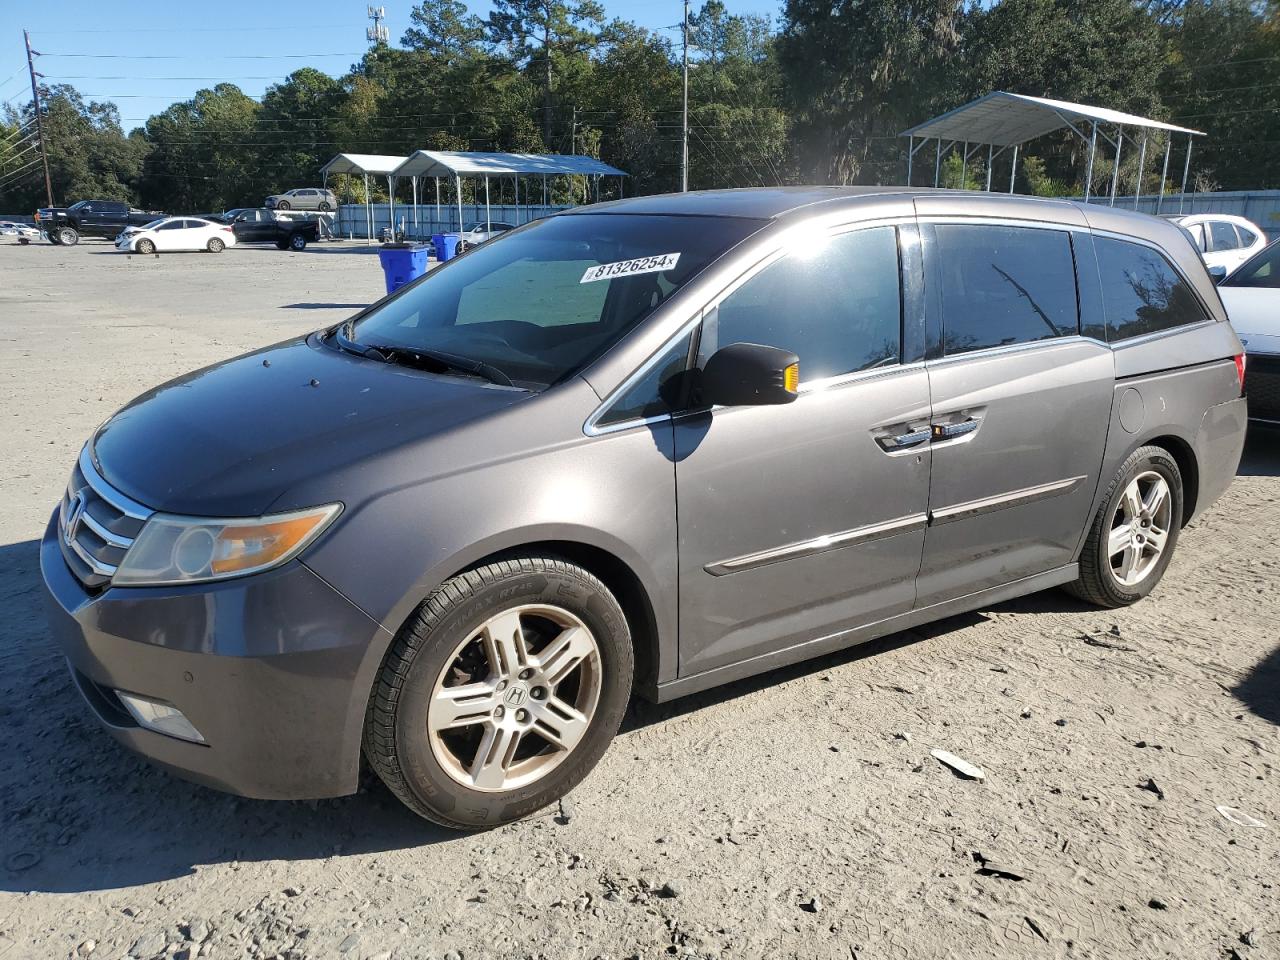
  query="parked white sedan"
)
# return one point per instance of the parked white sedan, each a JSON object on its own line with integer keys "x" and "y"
{"x": 1222, "y": 239}
{"x": 170, "y": 234}
{"x": 1252, "y": 298}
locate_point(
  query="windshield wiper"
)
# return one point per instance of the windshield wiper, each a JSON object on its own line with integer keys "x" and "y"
{"x": 423, "y": 356}
{"x": 418, "y": 356}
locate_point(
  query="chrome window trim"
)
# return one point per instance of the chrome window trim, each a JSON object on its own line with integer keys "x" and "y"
{"x": 1011, "y": 348}
{"x": 808, "y": 548}
{"x": 126, "y": 505}
{"x": 777, "y": 249}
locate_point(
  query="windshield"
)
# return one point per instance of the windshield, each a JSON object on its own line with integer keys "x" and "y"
{"x": 544, "y": 301}
{"x": 1263, "y": 270}
{"x": 153, "y": 224}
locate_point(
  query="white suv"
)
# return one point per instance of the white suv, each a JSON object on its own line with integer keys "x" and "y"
{"x": 1223, "y": 240}
{"x": 307, "y": 199}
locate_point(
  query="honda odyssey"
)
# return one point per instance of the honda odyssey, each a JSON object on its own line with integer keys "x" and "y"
{"x": 643, "y": 447}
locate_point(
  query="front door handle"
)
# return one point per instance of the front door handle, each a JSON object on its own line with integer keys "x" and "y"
{"x": 904, "y": 440}
{"x": 949, "y": 431}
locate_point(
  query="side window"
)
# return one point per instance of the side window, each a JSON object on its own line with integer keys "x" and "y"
{"x": 657, "y": 392}
{"x": 171, "y": 225}
{"x": 1141, "y": 291}
{"x": 1263, "y": 270}
{"x": 1247, "y": 237}
{"x": 838, "y": 307}
{"x": 1197, "y": 234}
{"x": 1005, "y": 285}
{"x": 1222, "y": 236}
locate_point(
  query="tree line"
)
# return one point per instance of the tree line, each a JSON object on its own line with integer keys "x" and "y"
{"x": 818, "y": 97}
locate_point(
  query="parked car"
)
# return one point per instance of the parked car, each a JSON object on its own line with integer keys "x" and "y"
{"x": 646, "y": 447}
{"x": 1223, "y": 240}
{"x": 173, "y": 234}
{"x": 1252, "y": 298}
{"x": 12, "y": 228}
{"x": 306, "y": 199}
{"x": 90, "y": 218}
{"x": 262, "y": 225}
{"x": 480, "y": 231}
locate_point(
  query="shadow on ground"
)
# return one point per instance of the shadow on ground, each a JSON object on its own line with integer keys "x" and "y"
{"x": 1260, "y": 689}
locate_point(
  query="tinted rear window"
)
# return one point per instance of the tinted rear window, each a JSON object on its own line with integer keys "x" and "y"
{"x": 1141, "y": 291}
{"x": 1005, "y": 285}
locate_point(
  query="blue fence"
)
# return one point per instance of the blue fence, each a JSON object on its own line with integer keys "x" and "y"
{"x": 422, "y": 221}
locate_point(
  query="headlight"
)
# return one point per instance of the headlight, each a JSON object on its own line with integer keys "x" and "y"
{"x": 173, "y": 549}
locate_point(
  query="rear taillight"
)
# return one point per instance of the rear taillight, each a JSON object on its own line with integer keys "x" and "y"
{"x": 1240, "y": 371}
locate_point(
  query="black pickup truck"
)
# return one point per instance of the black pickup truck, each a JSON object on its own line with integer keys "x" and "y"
{"x": 90, "y": 218}
{"x": 261, "y": 225}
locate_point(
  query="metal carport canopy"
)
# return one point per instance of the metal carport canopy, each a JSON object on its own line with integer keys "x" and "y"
{"x": 445, "y": 163}
{"x": 1006, "y": 119}
{"x": 361, "y": 163}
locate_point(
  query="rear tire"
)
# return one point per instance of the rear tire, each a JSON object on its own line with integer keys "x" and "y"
{"x": 565, "y": 668}
{"x": 282, "y": 245}
{"x": 1133, "y": 535}
{"x": 297, "y": 242}
{"x": 324, "y": 206}
{"x": 145, "y": 247}
{"x": 215, "y": 245}
{"x": 68, "y": 237}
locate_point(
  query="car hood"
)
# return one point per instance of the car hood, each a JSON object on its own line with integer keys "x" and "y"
{"x": 230, "y": 439}
{"x": 1254, "y": 312}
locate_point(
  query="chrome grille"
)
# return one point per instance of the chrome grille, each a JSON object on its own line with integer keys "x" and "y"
{"x": 96, "y": 524}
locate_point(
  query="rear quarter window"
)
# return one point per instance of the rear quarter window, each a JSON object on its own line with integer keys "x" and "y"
{"x": 1142, "y": 293}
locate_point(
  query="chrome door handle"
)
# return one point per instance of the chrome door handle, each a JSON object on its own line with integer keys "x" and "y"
{"x": 904, "y": 440}
{"x": 949, "y": 431}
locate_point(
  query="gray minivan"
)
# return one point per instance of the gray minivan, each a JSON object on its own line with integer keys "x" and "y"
{"x": 645, "y": 447}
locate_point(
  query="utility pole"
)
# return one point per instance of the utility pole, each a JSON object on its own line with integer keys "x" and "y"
{"x": 35, "y": 106}
{"x": 684, "y": 138}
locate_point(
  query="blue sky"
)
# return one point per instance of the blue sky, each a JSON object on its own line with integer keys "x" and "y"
{"x": 121, "y": 51}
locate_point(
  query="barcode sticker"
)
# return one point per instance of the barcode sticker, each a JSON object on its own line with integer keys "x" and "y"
{"x": 627, "y": 268}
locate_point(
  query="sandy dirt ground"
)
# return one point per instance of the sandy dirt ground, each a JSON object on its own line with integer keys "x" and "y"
{"x": 799, "y": 814}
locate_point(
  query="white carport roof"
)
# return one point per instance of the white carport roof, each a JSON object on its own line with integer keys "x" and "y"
{"x": 446, "y": 163}
{"x": 360, "y": 163}
{"x": 1006, "y": 119}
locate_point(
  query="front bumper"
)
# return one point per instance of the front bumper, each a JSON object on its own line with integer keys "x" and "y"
{"x": 1262, "y": 386}
{"x": 274, "y": 670}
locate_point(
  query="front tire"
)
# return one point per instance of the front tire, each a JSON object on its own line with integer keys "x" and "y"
{"x": 501, "y": 693}
{"x": 145, "y": 247}
{"x": 68, "y": 237}
{"x": 1133, "y": 535}
{"x": 215, "y": 245}
{"x": 282, "y": 205}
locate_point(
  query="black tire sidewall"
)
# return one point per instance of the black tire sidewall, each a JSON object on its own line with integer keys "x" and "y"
{"x": 216, "y": 246}
{"x": 68, "y": 237}
{"x": 1142, "y": 461}
{"x": 297, "y": 242}
{"x": 146, "y": 243}
{"x": 423, "y": 774}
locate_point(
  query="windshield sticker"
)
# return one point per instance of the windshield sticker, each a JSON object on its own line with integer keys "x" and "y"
{"x": 628, "y": 268}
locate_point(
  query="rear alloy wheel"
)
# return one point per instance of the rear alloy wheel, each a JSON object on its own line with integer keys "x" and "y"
{"x": 324, "y": 206}
{"x": 1133, "y": 535}
{"x": 215, "y": 245}
{"x": 68, "y": 237}
{"x": 501, "y": 693}
{"x": 146, "y": 247}
{"x": 297, "y": 242}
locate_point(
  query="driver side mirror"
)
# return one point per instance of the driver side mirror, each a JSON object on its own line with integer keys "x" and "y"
{"x": 750, "y": 374}
{"x": 1218, "y": 273}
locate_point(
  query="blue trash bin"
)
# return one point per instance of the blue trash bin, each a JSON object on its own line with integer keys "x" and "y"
{"x": 446, "y": 245}
{"x": 402, "y": 262}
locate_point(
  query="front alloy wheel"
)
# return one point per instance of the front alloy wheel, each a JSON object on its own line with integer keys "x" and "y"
{"x": 501, "y": 692}
{"x": 516, "y": 699}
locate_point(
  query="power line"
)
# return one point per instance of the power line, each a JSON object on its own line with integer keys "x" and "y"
{"x": 229, "y": 56}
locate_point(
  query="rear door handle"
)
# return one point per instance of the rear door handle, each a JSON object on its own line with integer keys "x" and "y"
{"x": 949, "y": 431}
